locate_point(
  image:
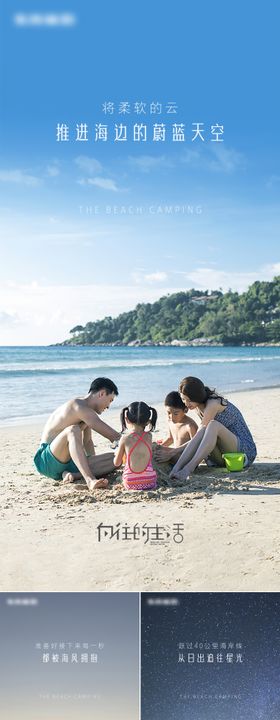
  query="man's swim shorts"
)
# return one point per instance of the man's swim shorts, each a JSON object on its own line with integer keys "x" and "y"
{"x": 47, "y": 464}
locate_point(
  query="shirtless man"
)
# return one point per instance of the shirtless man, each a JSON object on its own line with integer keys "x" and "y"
{"x": 181, "y": 429}
{"x": 67, "y": 451}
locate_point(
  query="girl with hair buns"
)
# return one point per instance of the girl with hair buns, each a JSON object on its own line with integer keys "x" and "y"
{"x": 135, "y": 447}
{"x": 223, "y": 429}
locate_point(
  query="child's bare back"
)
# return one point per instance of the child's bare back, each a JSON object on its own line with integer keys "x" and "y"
{"x": 139, "y": 452}
{"x": 135, "y": 448}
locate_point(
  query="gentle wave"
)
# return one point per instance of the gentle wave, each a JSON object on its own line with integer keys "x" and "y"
{"x": 20, "y": 369}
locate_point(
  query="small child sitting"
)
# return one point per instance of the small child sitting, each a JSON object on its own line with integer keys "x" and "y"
{"x": 181, "y": 427}
{"x": 135, "y": 447}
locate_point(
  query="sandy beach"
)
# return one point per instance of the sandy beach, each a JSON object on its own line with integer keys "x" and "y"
{"x": 230, "y": 522}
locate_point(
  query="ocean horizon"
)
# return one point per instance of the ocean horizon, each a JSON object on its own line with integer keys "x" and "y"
{"x": 36, "y": 379}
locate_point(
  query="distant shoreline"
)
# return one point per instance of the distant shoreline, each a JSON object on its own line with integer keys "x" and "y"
{"x": 172, "y": 344}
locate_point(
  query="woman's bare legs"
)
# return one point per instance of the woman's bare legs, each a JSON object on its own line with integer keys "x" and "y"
{"x": 216, "y": 457}
{"x": 208, "y": 437}
{"x": 189, "y": 451}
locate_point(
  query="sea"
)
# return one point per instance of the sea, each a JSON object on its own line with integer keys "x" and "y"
{"x": 34, "y": 380}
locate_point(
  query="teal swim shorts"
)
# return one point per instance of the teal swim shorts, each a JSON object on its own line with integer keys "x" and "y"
{"x": 47, "y": 464}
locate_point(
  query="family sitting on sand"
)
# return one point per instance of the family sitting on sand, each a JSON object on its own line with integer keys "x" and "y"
{"x": 67, "y": 452}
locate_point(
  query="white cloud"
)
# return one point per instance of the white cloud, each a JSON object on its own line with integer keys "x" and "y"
{"x": 137, "y": 277}
{"x": 8, "y": 318}
{"x": 41, "y": 314}
{"x": 216, "y": 158}
{"x": 19, "y": 177}
{"x": 47, "y": 312}
{"x": 103, "y": 183}
{"x": 53, "y": 170}
{"x": 213, "y": 263}
{"x": 145, "y": 163}
{"x": 140, "y": 277}
{"x": 271, "y": 271}
{"x": 226, "y": 159}
{"x": 72, "y": 238}
{"x": 204, "y": 278}
{"x": 273, "y": 181}
{"x": 156, "y": 277}
{"x": 192, "y": 157}
{"x": 88, "y": 164}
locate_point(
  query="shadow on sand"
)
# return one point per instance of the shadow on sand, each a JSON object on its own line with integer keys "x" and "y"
{"x": 259, "y": 479}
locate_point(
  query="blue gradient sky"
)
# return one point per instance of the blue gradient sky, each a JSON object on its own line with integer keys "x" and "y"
{"x": 65, "y": 258}
{"x": 107, "y": 618}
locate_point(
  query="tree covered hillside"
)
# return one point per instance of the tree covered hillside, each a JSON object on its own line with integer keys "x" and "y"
{"x": 229, "y": 318}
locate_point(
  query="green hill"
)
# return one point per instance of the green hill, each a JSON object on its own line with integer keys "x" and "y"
{"x": 228, "y": 318}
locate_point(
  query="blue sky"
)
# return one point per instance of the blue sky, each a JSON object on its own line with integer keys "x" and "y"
{"x": 91, "y": 228}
